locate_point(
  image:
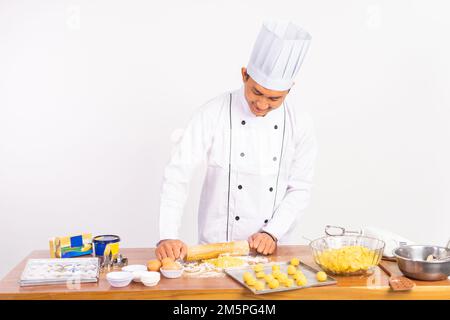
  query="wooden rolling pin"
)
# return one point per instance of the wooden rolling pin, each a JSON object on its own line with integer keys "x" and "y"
{"x": 213, "y": 250}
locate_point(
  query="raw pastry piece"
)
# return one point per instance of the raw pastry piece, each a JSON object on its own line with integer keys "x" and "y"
{"x": 259, "y": 285}
{"x": 259, "y": 267}
{"x": 291, "y": 269}
{"x": 288, "y": 283}
{"x": 295, "y": 262}
{"x": 274, "y": 284}
{"x": 268, "y": 278}
{"x": 251, "y": 281}
{"x": 321, "y": 276}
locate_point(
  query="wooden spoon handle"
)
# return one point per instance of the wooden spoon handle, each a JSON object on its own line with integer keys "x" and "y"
{"x": 382, "y": 267}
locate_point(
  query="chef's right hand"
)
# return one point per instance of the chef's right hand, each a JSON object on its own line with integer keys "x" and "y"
{"x": 171, "y": 248}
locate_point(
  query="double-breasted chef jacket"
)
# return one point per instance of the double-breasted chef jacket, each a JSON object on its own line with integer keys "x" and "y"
{"x": 259, "y": 171}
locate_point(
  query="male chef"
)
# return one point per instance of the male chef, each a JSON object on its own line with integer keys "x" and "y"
{"x": 259, "y": 149}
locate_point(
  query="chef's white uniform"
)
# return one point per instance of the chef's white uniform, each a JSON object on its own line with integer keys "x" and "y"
{"x": 259, "y": 178}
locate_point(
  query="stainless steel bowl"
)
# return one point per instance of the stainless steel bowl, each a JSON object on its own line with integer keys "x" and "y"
{"x": 412, "y": 261}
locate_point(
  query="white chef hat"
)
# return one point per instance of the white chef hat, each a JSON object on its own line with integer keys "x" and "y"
{"x": 278, "y": 54}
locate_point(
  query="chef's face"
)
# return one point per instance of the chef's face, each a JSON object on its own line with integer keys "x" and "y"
{"x": 260, "y": 99}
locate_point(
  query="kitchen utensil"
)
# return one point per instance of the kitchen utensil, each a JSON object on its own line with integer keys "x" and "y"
{"x": 391, "y": 240}
{"x": 213, "y": 250}
{"x": 397, "y": 283}
{"x": 119, "y": 279}
{"x": 120, "y": 261}
{"x": 347, "y": 254}
{"x": 136, "y": 270}
{"x": 412, "y": 262}
{"x": 309, "y": 272}
{"x": 340, "y": 231}
{"x": 150, "y": 278}
{"x": 106, "y": 262}
{"x": 171, "y": 274}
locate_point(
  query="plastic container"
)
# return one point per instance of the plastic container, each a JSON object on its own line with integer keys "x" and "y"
{"x": 100, "y": 243}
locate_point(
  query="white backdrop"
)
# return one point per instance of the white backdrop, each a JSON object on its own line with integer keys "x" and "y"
{"x": 91, "y": 93}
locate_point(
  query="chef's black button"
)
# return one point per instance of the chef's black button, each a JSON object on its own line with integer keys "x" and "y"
{"x": 274, "y": 158}
{"x": 242, "y": 154}
{"x": 275, "y": 127}
{"x": 270, "y": 189}
{"x": 265, "y": 221}
{"x": 237, "y": 218}
{"x": 243, "y": 122}
{"x": 239, "y": 187}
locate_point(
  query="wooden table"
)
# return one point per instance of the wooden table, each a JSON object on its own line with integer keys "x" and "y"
{"x": 358, "y": 287}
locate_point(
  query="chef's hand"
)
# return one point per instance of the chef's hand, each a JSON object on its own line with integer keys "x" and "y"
{"x": 171, "y": 248}
{"x": 263, "y": 243}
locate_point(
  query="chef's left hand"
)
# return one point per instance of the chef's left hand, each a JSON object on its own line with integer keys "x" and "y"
{"x": 262, "y": 242}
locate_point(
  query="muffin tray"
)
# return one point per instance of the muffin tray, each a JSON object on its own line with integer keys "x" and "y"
{"x": 309, "y": 272}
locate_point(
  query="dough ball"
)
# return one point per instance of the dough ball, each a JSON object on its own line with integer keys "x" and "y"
{"x": 260, "y": 275}
{"x": 291, "y": 269}
{"x": 282, "y": 277}
{"x": 268, "y": 278}
{"x": 258, "y": 268}
{"x": 259, "y": 285}
{"x": 274, "y": 284}
{"x": 251, "y": 281}
{"x": 298, "y": 275}
{"x": 302, "y": 281}
{"x": 246, "y": 276}
{"x": 295, "y": 262}
{"x": 276, "y": 274}
{"x": 275, "y": 267}
{"x": 288, "y": 283}
{"x": 153, "y": 265}
{"x": 321, "y": 276}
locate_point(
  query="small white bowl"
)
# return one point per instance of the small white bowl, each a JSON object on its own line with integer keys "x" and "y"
{"x": 136, "y": 270}
{"x": 150, "y": 278}
{"x": 137, "y": 275}
{"x": 171, "y": 274}
{"x": 119, "y": 279}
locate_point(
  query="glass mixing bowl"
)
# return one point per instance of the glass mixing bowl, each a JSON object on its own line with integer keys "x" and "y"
{"x": 347, "y": 255}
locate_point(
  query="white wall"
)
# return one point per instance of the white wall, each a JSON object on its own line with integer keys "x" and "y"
{"x": 91, "y": 92}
